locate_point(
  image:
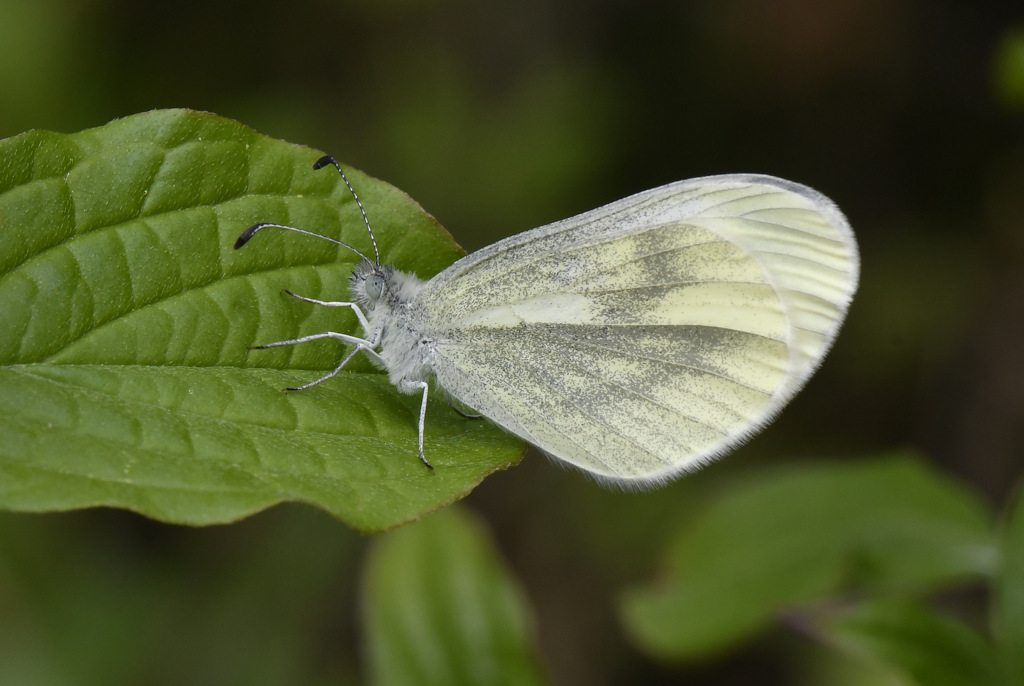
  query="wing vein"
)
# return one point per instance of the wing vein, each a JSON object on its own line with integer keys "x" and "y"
{"x": 654, "y": 401}
{"x": 538, "y": 416}
{"x": 671, "y": 363}
{"x": 776, "y": 224}
{"x": 542, "y": 374}
{"x": 662, "y": 284}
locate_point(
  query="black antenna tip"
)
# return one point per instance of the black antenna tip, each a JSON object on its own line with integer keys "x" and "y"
{"x": 324, "y": 161}
{"x": 246, "y": 235}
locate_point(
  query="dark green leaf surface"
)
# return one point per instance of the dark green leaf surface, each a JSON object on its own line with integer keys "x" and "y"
{"x": 125, "y": 378}
{"x": 441, "y": 609}
{"x": 922, "y": 646}
{"x": 784, "y": 540}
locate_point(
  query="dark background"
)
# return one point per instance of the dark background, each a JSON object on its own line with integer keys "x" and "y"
{"x": 498, "y": 118}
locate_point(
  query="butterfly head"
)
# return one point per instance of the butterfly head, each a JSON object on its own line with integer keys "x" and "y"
{"x": 370, "y": 283}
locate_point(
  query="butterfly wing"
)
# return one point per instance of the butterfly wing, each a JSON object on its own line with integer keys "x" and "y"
{"x": 647, "y": 337}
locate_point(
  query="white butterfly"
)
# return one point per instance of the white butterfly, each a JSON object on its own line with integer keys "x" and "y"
{"x": 636, "y": 341}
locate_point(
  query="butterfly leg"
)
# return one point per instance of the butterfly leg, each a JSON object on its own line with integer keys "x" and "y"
{"x": 412, "y": 386}
{"x": 455, "y": 407}
{"x": 328, "y": 375}
{"x": 330, "y": 303}
{"x": 359, "y": 343}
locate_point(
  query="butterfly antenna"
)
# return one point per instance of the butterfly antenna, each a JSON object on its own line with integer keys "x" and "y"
{"x": 251, "y": 231}
{"x": 320, "y": 163}
{"x": 329, "y": 159}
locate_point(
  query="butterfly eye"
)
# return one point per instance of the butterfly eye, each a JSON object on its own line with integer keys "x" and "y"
{"x": 374, "y": 286}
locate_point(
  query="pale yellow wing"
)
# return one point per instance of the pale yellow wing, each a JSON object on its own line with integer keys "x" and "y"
{"x": 647, "y": 337}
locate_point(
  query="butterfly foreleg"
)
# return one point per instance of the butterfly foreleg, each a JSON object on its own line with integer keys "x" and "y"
{"x": 331, "y": 303}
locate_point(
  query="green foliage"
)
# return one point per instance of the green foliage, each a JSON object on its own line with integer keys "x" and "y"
{"x": 847, "y": 554}
{"x": 922, "y": 645}
{"x": 164, "y": 606}
{"x": 800, "y": 536}
{"x": 907, "y": 113}
{"x": 125, "y": 378}
{"x": 441, "y": 609}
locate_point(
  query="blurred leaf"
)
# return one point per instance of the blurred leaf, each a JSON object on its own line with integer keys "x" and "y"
{"x": 1008, "y": 69}
{"x": 441, "y": 609}
{"x": 125, "y": 378}
{"x": 785, "y": 539}
{"x": 1008, "y": 610}
{"x": 924, "y": 646}
{"x": 101, "y": 597}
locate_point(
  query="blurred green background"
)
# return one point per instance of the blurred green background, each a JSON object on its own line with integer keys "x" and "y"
{"x": 498, "y": 118}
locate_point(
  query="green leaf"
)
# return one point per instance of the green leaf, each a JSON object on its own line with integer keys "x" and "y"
{"x": 780, "y": 541}
{"x": 1008, "y": 602}
{"x": 924, "y": 646}
{"x": 441, "y": 609}
{"x": 125, "y": 378}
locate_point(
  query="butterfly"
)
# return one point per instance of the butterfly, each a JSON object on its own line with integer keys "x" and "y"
{"x": 636, "y": 341}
